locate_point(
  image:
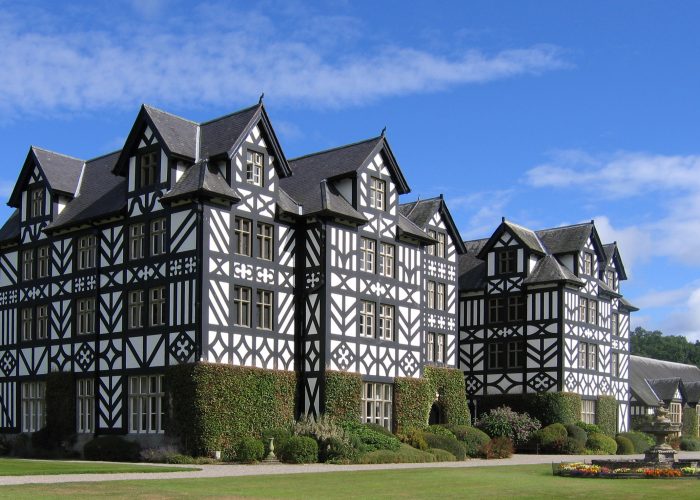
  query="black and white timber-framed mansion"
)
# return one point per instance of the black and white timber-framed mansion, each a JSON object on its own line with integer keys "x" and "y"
{"x": 202, "y": 242}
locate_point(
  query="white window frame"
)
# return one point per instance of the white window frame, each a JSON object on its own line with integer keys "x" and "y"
{"x": 367, "y": 254}
{"x": 588, "y": 411}
{"x": 440, "y": 247}
{"x": 377, "y": 403}
{"x": 430, "y": 249}
{"x": 137, "y": 241}
{"x": 588, "y": 263}
{"x": 367, "y": 318}
{"x": 582, "y": 355}
{"x": 440, "y": 296}
{"x": 242, "y": 232}
{"x": 583, "y": 309}
{"x": 242, "y": 296}
{"x": 146, "y": 409}
{"x": 496, "y": 355}
{"x": 43, "y": 259}
{"x": 265, "y": 308}
{"x": 430, "y": 347}
{"x": 592, "y": 350}
{"x": 265, "y": 241}
{"x": 33, "y": 406}
{"x": 85, "y": 311}
{"x": 36, "y": 203}
{"x": 135, "y": 308}
{"x": 255, "y": 166}
{"x": 42, "y": 322}
{"x": 87, "y": 252}
{"x": 85, "y": 401}
{"x": 593, "y": 311}
{"x": 158, "y": 232}
{"x": 440, "y": 348}
{"x": 675, "y": 413}
{"x": 157, "y": 306}
{"x": 377, "y": 193}
{"x": 28, "y": 264}
{"x": 386, "y": 259}
{"x": 386, "y": 322}
{"x": 431, "y": 292}
{"x": 27, "y": 324}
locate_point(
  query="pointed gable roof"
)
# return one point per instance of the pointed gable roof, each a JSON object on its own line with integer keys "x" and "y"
{"x": 201, "y": 180}
{"x": 61, "y": 172}
{"x": 421, "y": 211}
{"x": 219, "y": 135}
{"x": 10, "y": 230}
{"x": 570, "y": 239}
{"x": 525, "y": 236}
{"x": 612, "y": 253}
{"x": 549, "y": 270}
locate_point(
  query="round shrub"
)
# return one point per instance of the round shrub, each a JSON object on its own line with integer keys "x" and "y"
{"x": 446, "y": 443}
{"x": 571, "y": 446}
{"x": 498, "y": 447}
{"x": 690, "y": 444}
{"x": 371, "y": 438}
{"x": 414, "y": 437}
{"x": 598, "y": 442}
{"x": 504, "y": 422}
{"x": 112, "y": 449}
{"x": 442, "y": 455}
{"x": 577, "y": 433}
{"x": 472, "y": 438}
{"x": 280, "y": 437}
{"x": 589, "y": 428}
{"x": 551, "y": 438}
{"x": 249, "y": 450}
{"x": 440, "y": 430}
{"x": 300, "y": 450}
{"x": 640, "y": 440}
{"x": 624, "y": 446}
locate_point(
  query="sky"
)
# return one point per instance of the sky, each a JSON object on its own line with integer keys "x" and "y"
{"x": 544, "y": 112}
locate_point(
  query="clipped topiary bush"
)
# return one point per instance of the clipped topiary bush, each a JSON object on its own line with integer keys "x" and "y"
{"x": 498, "y": 447}
{"x": 504, "y": 422}
{"x": 413, "y": 398}
{"x": 405, "y": 455}
{"x": 343, "y": 396}
{"x": 547, "y": 407}
{"x": 550, "y": 438}
{"x": 448, "y": 383}
{"x": 690, "y": 422}
{"x": 641, "y": 441}
{"x": 690, "y": 444}
{"x": 600, "y": 443}
{"x": 624, "y": 445}
{"x": 442, "y": 455}
{"x": 413, "y": 438}
{"x": 250, "y": 450}
{"x": 440, "y": 430}
{"x": 577, "y": 433}
{"x": 450, "y": 444}
{"x": 589, "y": 428}
{"x": 299, "y": 450}
{"x": 112, "y": 449}
{"x": 371, "y": 438}
{"x": 571, "y": 446}
{"x": 474, "y": 439}
{"x": 606, "y": 415}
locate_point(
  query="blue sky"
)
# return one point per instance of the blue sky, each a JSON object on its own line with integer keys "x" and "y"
{"x": 547, "y": 113}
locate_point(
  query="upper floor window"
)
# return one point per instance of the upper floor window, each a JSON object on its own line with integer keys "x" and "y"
{"x": 42, "y": 322}
{"x": 148, "y": 169}
{"x": 264, "y": 310}
{"x": 27, "y": 324}
{"x": 508, "y": 354}
{"x": 367, "y": 253}
{"x": 36, "y": 203}
{"x": 587, "y": 356}
{"x": 135, "y": 309}
{"x": 137, "y": 241}
{"x": 507, "y": 261}
{"x": 157, "y": 306}
{"x": 430, "y": 249}
{"x": 515, "y": 354}
{"x": 440, "y": 247}
{"x": 386, "y": 260}
{"x": 516, "y": 308}
{"x": 254, "y": 168}
{"x": 265, "y": 246}
{"x": 583, "y": 309}
{"x": 615, "y": 364}
{"x": 675, "y": 413}
{"x": 593, "y": 311}
{"x": 377, "y": 193}
{"x": 157, "y": 237}
{"x": 86, "y": 316}
{"x": 440, "y": 348}
{"x": 27, "y": 264}
{"x": 614, "y": 324}
{"x": 496, "y": 309}
{"x": 241, "y": 302}
{"x": 33, "y": 406}
{"x": 386, "y": 322}
{"x": 440, "y": 296}
{"x": 367, "y": 318}
{"x": 431, "y": 294}
{"x": 610, "y": 278}
{"x": 87, "y": 252}
{"x": 588, "y": 263}
{"x": 242, "y": 234}
{"x": 43, "y": 260}
{"x": 430, "y": 347}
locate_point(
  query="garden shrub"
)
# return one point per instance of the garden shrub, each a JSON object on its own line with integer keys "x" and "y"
{"x": 498, "y": 447}
{"x": 371, "y": 438}
{"x": 690, "y": 444}
{"x": 598, "y": 442}
{"x": 675, "y": 443}
{"x": 414, "y": 438}
{"x": 448, "y": 383}
{"x": 640, "y": 422}
{"x": 336, "y": 451}
{"x": 550, "y": 438}
{"x": 300, "y": 450}
{"x": 606, "y": 415}
{"x": 413, "y": 398}
{"x": 379, "y": 428}
{"x": 440, "y": 430}
{"x": 624, "y": 445}
{"x": 572, "y": 446}
{"x": 5, "y": 446}
{"x": 547, "y": 407}
{"x": 442, "y": 455}
{"x": 450, "y": 444}
{"x": 343, "y": 396}
{"x": 589, "y": 428}
{"x": 214, "y": 405}
{"x": 250, "y": 450}
{"x": 404, "y": 455}
{"x": 472, "y": 438}
{"x": 690, "y": 422}
{"x": 504, "y": 422}
{"x": 577, "y": 433}
{"x": 112, "y": 449}
{"x": 280, "y": 436}
{"x": 641, "y": 441}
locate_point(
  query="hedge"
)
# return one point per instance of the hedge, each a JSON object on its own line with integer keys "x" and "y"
{"x": 449, "y": 384}
{"x": 547, "y": 407}
{"x": 60, "y": 409}
{"x": 413, "y": 398}
{"x": 606, "y": 415}
{"x": 343, "y": 399}
{"x": 214, "y": 406}
{"x": 690, "y": 422}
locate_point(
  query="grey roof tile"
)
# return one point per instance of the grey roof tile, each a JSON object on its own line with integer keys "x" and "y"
{"x": 218, "y": 136}
{"x": 421, "y": 211}
{"x": 647, "y": 375}
{"x": 179, "y": 134}
{"x": 201, "y": 180}
{"x": 472, "y": 272}
{"x": 408, "y": 228}
{"x": 692, "y": 392}
{"x": 10, "y": 230}
{"x": 527, "y": 236}
{"x": 549, "y": 270}
{"x": 567, "y": 239}
{"x": 62, "y": 172}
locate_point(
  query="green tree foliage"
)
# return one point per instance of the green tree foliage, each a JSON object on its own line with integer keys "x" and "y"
{"x": 666, "y": 347}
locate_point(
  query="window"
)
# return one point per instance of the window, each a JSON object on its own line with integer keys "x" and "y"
{"x": 386, "y": 260}
{"x": 675, "y": 413}
{"x": 440, "y": 301}
{"x": 588, "y": 411}
{"x": 440, "y": 247}
{"x": 588, "y": 264}
{"x": 516, "y": 308}
{"x": 582, "y": 309}
{"x": 587, "y": 356}
{"x": 367, "y": 249}
{"x": 515, "y": 354}
{"x": 27, "y": 324}
{"x": 265, "y": 247}
{"x": 137, "y": 241}
{"x": 43, "y": 262}
{"x": 610, "y": 278}
{"x": 42, "y": 322}
{"x": 496, "y": 355}
{"x": 592, "y": 357}
{"x": 27, "y": 264}
{"x": 615, "y": 364}
{"x": 36, "y": 202}
{"x": 496, "y": 309}
{"x": 377, "y": 194}
{"x": 431, "y": 347}
{"x": 157, "y": 306}
{"x": 135, "y": 309}
{"x": 431, "y": 248}
{"x": 593, "y": 311}
{"x": 367, "y": 319}
{"x": 242, "y": 232}
{"x": 86, "y": 316}
{"x": 241, "y": 303}
{"x": 254, "y": 168}
{"x": 264, "y": 309}
{"x": 507, "y": 261}
{"x": 87, "y": 252}
{"x": 146, "y": 404}
{"x": 148, "y": 166}
{"x": 157, "y": 237}
{"x": 431, "y": 294}
{"x": 377, "y": 404}
{"x": 86, "y": 406}
{"x": 440, "y": 348}
{"x": 614, "y": 319}
{"x": 386, "y": 322}
{"x": 33, "y": 406}
{"x": 582, "y": 359}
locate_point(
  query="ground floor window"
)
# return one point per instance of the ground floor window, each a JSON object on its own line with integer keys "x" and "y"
{"x": 377, "y": 402}
{"x": 588, "y": 411}
{"x": 86, "y": 406}
{"x": 146, "y": 404}
{"x": 33, "y": 406}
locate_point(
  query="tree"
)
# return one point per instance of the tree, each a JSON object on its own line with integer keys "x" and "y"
{"x": 654, "y": 344}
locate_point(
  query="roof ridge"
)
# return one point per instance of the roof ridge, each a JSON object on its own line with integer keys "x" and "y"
{"x": 589, "y": 223}
{"x": 229, "y": 115}
{"x": 169, "y": 113}
{"x": 103, "y": 156}
{"x": 665, "y": 361}
{"x": 57, "y": 153}
{"x": 334, "y": 149}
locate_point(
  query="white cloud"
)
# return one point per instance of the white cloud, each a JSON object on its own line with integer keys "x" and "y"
{"x": 485, "y": 208}
{"x": 674, "y": 311}
{"x": 635, "y": 243}
{"x": 206, "y": 60}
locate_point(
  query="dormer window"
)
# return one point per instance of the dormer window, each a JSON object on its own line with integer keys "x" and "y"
{"x": 588, "y": 264}
{"x": 610, "y": 278}
{"x": 36, "y": 203}
{"x": 148, "y": 168}
{"x": 507, "y": 261}
{"x": 254, "y": 168}
{"x": 440, "y": 247}
{"x": 377, "y": 194}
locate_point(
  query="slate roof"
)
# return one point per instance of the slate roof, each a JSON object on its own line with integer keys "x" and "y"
{"x": 287, "y": 203}
{"x": 527, "y": 236}
{"x": 648, "y": 375}
{"x": 179, "y": 134}
{"x": 665, "y": 388}
{"x": 421, "y": 211}
{"x": 332, "y": 202}
{"x": 218, "y": 136}
{"x": 100, "y": 193}
{"x": 201, "y": 180}
{"x": 628, "y": 305}
{"x": 548, "y": 270}
{"x": 407, "y": 227}
{"x": 692, "y": 392}
{"x": 10, "y": 230}
{"x": 567, "y": 239}
{"x": 472, "y": 272}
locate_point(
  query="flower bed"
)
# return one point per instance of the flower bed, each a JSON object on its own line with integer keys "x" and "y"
{"x": 580, "y": 469}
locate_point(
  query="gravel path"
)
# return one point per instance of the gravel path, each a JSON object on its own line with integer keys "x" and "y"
{"x": 209, "y": 471}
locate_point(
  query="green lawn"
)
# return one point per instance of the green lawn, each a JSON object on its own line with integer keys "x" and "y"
{"x": 529, "y": 481}
{"x": 20, "y": 467}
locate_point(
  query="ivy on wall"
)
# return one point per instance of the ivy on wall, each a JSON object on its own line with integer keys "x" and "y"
{"x": 606, "y": 415}
{"x": 343, "y": 396}
{"x": 448, "y": 383}
{"x": 690, "y": 422}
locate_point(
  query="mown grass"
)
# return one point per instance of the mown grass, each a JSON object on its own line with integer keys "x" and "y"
{"x": 528, "y": 481}
{"x": 21, "y": 467}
